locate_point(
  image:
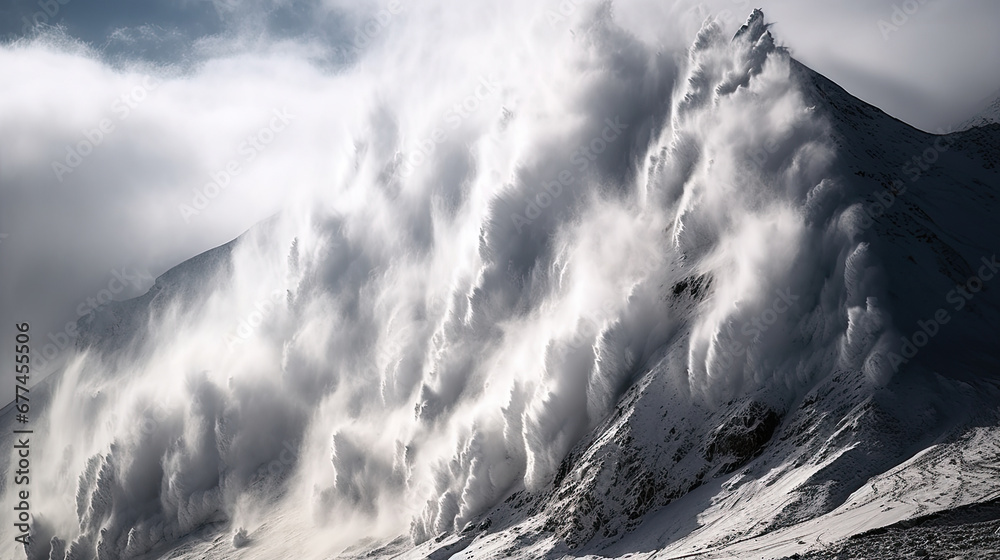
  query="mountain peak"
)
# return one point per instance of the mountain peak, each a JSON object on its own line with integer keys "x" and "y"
{"x": 754, "y": 28}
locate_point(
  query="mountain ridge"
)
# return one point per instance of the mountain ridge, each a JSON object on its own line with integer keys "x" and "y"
{"x": 805, "y": 435}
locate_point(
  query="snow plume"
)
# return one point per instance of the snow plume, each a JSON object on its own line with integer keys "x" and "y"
{"x": 503, "y": 228}
{"x": 759, "y": 212}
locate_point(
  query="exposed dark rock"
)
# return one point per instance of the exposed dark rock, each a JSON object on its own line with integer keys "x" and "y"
{"x": 742, "y": 436}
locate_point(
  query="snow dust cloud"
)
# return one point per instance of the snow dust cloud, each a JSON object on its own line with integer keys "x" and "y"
{"x": 483, "y": 217}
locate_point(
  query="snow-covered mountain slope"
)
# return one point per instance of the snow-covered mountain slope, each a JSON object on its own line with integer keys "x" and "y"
{"x": 731, "y": 312}
{"x": 989, "y": 115}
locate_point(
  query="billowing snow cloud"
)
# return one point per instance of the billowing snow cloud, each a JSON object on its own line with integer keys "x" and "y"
{"x": 481, "y": 243}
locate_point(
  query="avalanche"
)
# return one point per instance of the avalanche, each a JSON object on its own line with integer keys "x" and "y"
{"x": 628, "y": 304}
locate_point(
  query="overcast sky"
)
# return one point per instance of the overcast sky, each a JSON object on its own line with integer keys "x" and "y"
{"x": 927, "y": 62}
{"x": 74, "y": 229}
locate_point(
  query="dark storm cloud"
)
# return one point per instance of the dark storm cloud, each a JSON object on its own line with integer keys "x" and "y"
{"x": 97, "y": 23}
{"x": 172, "y": 32}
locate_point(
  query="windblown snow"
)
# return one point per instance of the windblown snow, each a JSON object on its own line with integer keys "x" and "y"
{"x": 628, "y": 297}
{"x": 989, "y": 115}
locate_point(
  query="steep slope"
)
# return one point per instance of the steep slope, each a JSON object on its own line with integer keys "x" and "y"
{"x": 924, "y": 214}
{"x": 989, "y": 115}
{"x": 926, "y": 221}
{"x": 708, "y": 345}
